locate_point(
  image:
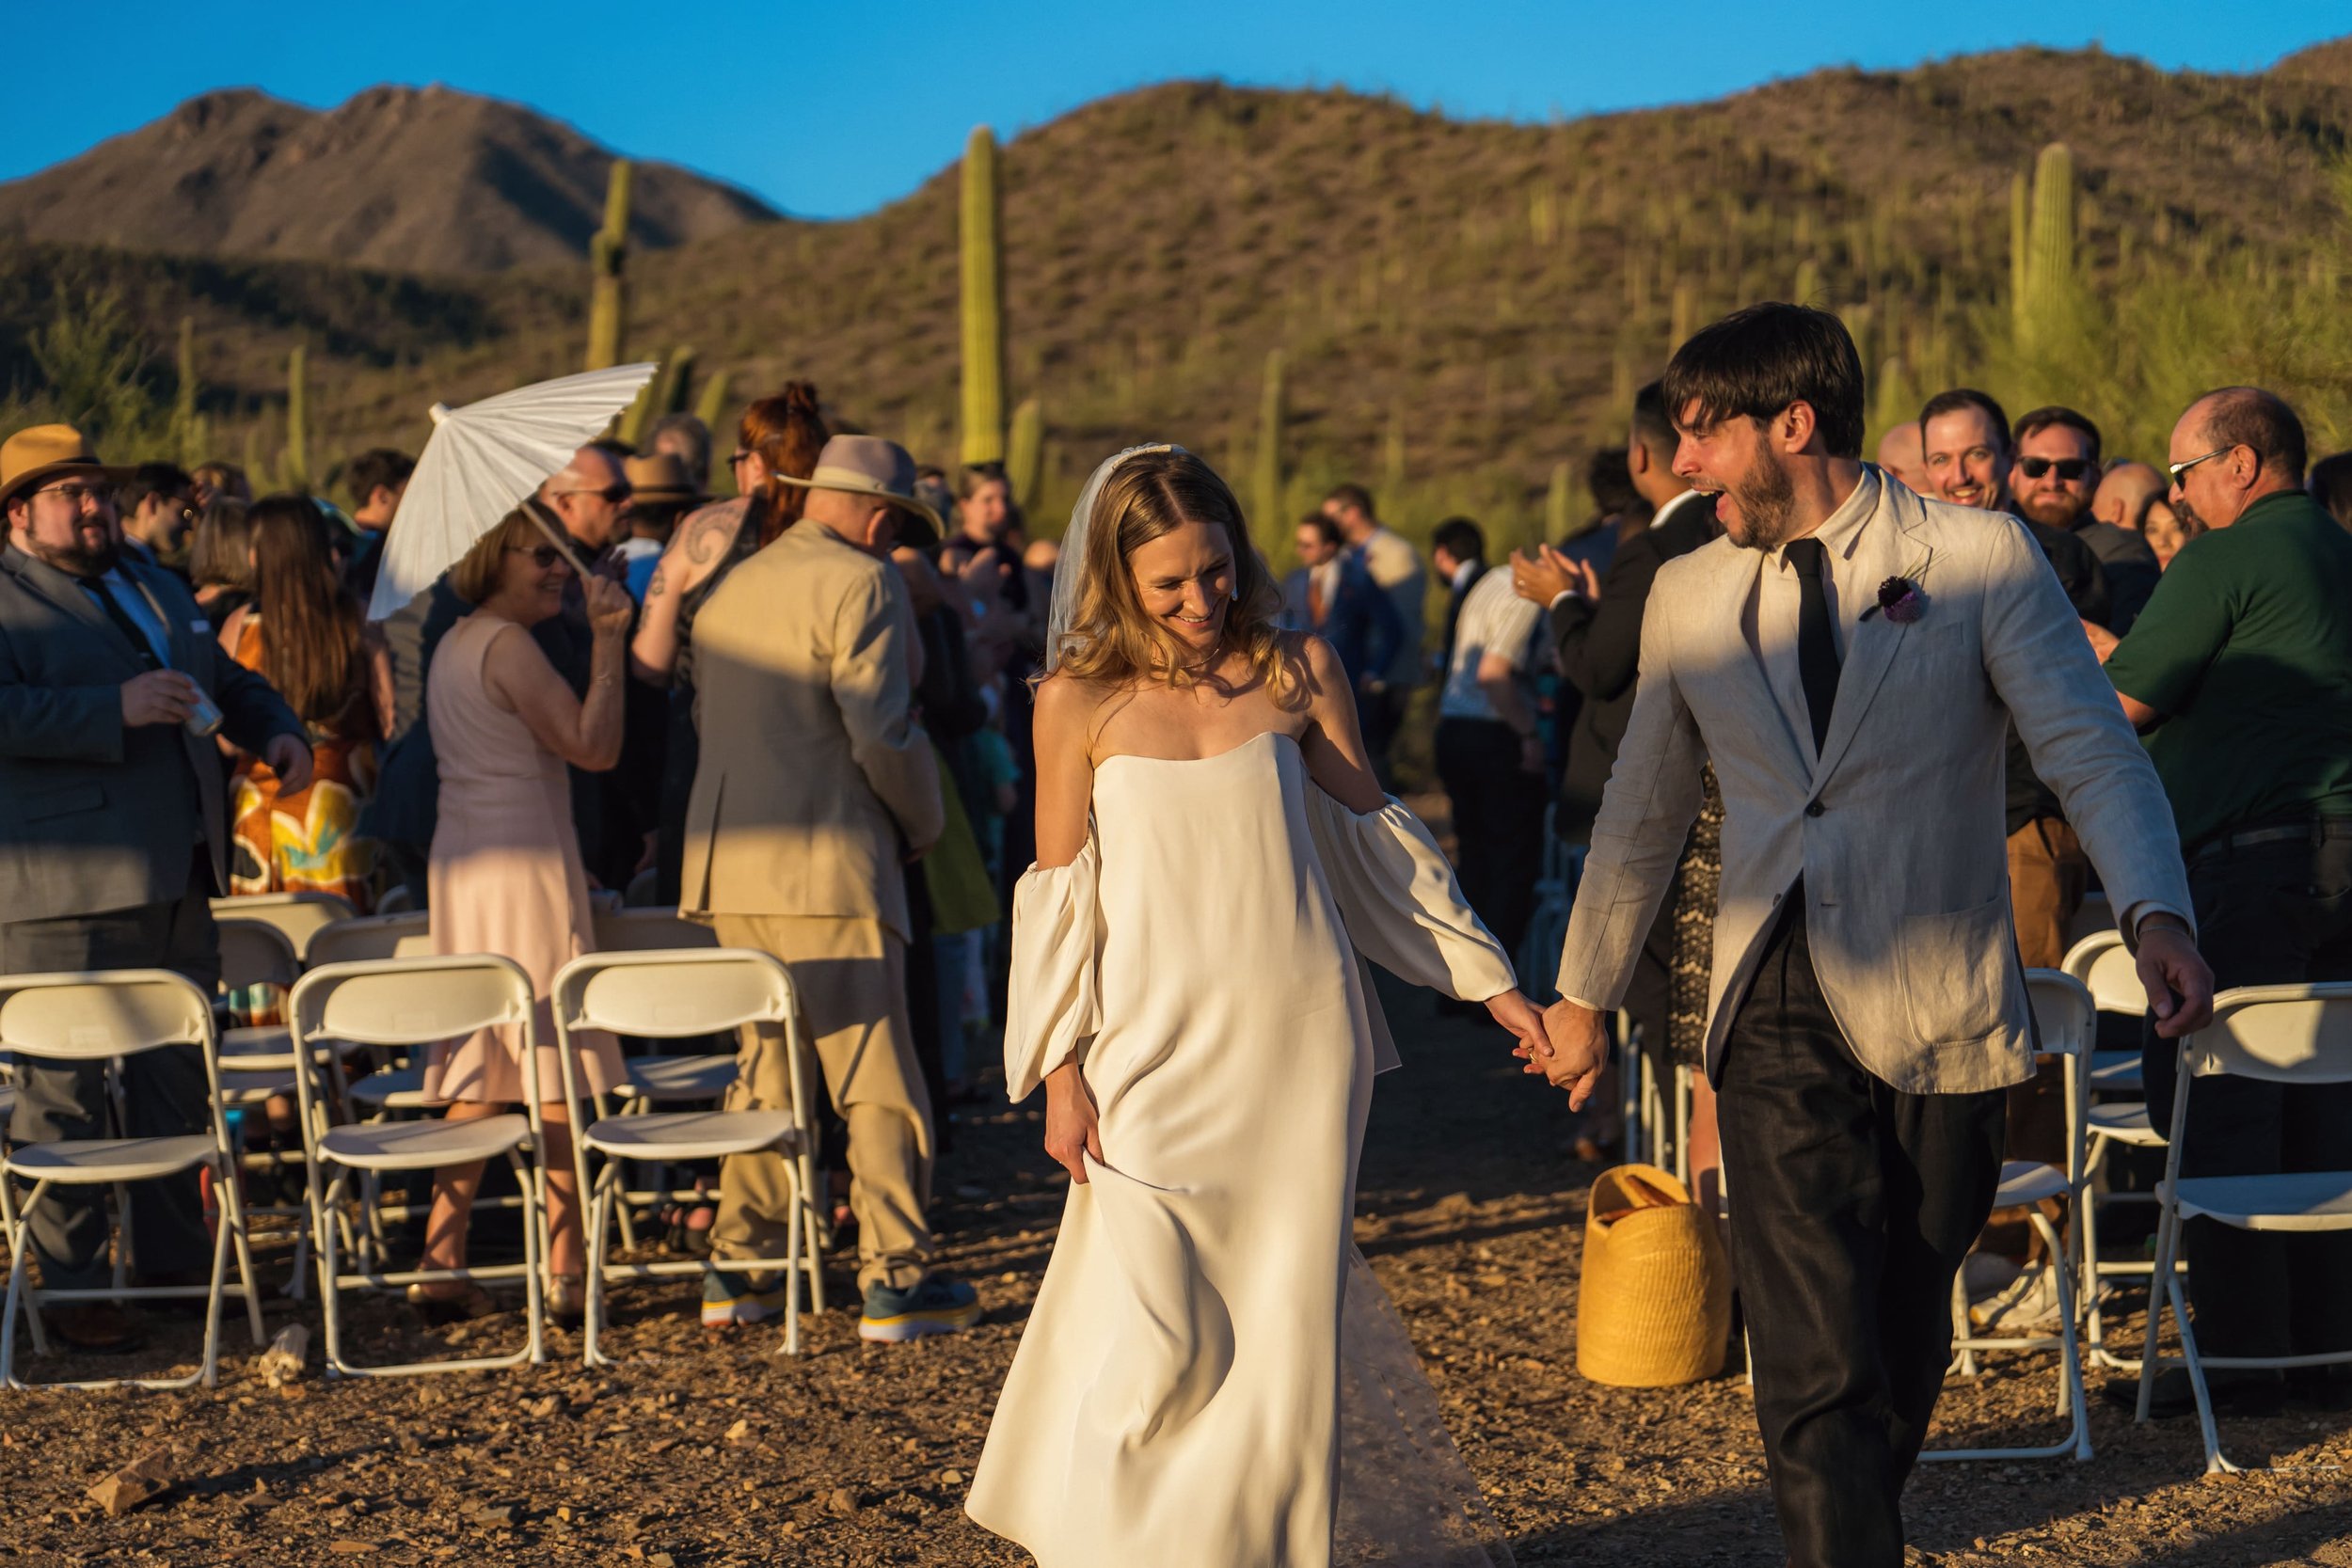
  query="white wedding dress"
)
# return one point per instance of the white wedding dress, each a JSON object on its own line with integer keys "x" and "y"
{"x": 1212, "y": 1377}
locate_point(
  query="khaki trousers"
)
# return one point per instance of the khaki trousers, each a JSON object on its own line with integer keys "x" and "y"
{"x": 851, "y": 979}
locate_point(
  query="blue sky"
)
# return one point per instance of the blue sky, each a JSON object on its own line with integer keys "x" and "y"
{"x": 833, "y": 110}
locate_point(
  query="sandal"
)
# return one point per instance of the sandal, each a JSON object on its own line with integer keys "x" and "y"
{"x": 463, "y": 1306}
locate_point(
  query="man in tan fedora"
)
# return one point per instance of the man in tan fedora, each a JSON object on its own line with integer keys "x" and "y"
{"x": 114, "y": 837}
{"x": 814, "y": 789}
{"x": 659, "y": 493}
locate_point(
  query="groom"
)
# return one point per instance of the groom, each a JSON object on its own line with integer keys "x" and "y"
{"x": 1849, "y": 658}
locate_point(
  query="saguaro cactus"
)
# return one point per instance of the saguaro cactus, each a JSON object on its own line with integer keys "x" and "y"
{"x": 711, "y": 406}
{"x": 187, "y": 425}
{"x": 2045, "y": 253}
{"x": 608, "y": 255}
{"x": 1265, "y": 472}
{"x": 984, "y": 302}
{"x": 294, "y": 463}
{"x": 1025, "y": 451}
{"x": 1558, "y": 500}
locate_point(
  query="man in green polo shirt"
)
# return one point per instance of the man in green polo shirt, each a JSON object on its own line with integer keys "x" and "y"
{"x": 2239, "y": 673}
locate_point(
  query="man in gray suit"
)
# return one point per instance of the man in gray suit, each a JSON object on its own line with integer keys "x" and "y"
{"x": 1849, "y": 658}
{"x": 114, "y": 836}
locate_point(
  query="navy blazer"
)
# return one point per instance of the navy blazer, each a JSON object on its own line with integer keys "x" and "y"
{"x": 1361, "y": 623}
{"x": 96, "y": 816}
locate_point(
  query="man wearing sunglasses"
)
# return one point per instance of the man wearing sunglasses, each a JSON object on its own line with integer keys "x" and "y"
{"x": 2055, "y": 477}
{"x": 2237, "y": 674}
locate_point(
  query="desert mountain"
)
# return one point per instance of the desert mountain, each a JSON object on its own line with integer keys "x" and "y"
{"x": 1461, "y": 306}
{"x": 413, "y": 179}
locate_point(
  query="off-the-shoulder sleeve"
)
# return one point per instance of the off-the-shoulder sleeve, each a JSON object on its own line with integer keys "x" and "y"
{"x": 1051, "y": 1011}
{"x": 1403, "y": 908}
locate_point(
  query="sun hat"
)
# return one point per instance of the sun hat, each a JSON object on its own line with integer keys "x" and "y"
{"x": 867, "y": 465}
{"x": 41, "y": 453}
{"x": 660, "y": 476}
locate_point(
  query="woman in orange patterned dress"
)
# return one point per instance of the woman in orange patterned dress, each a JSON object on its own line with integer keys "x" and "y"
{"x": 304, "y": 632}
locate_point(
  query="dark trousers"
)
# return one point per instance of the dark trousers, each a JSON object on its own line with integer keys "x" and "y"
{"x": 2272, "y": 914}
{"x": 163, "y": 1090}
{"x": 1852, "y": 1206}
{"x": 1497, "y": 822}
{"x": 1382, "y": 714}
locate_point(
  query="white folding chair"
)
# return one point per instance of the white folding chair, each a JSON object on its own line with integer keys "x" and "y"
{"x": 2288, "y": 1035}
{"x": 300, "y": 915}
{"x": 103, "y": 1018}
{"x": 412, "y": 1002}
{"x": 654, "y": 929}
{"x": 2062, "y": 1009}
{"x": 395, "y": 1086}
{"x": 658, "y": 995}
{"x": 2118, "y": 1121}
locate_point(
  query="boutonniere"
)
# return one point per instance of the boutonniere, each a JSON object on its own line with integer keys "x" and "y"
{"x": 1900, "y": 598}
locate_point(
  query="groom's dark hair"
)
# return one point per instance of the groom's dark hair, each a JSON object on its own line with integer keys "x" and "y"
{"x": 1755, "y": 362}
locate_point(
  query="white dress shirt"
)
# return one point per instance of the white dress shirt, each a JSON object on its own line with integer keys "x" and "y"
{"x": 1768, "y": 620}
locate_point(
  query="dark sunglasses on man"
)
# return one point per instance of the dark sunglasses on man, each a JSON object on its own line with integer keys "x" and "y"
{"x": 617, "y": 492}
{"x": 2069, "y": 468}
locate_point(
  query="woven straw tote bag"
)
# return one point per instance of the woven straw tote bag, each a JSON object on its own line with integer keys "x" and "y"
{"x": 1654, "y": 1305}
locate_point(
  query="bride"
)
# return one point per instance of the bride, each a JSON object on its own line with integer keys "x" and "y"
{"x": 1212, "y": 1377}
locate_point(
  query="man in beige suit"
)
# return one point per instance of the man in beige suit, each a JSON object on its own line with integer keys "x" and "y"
{"x": 815, "y": 787}
{"x": 1849, "y": 658}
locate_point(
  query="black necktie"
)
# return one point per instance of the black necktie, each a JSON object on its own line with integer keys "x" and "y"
{"x": 140, "y": 646}
{"x": 1817, "y": 648}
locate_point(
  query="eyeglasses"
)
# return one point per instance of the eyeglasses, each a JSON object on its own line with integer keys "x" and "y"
{"x": 2177, "y": 470}
{"x": 541, "y": 556}
{"x": 2069, "y": 468}
{"x": 80, "y": 495}
{"x": 617, "y": 492}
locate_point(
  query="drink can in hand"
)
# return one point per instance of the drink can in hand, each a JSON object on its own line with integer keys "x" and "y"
{"x": 203, "y": 720}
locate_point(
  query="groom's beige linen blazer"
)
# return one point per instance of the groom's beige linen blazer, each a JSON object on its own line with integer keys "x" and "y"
{"x": 1898, "y": 829}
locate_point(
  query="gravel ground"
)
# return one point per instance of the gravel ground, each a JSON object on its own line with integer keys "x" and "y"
{"x": 716, "y": 1449}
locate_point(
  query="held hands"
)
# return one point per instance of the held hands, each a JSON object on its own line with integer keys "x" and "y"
{"x": 609, "y": 606}
{"x": 1515, "y": 1013}
{"x": 2177, "y": 979}
{"x": 1573, "y": 1051}
{"x": 1070, "y": 1133}
{"x": 158, "y": 697}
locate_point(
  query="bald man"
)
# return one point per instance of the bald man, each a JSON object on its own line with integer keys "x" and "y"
{"x": 2125, "y": 493}
{"x": 1902, "y": 454}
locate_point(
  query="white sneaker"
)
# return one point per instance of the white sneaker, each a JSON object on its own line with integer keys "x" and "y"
{"x": 2029, "y": 1306}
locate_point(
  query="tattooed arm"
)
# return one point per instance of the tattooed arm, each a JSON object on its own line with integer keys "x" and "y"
{"x": 702, "y": 541}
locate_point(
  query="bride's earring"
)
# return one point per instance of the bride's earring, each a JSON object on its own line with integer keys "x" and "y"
{"x": 1237, "y": 593}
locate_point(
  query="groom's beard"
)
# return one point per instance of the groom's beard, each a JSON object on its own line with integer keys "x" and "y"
{"x": 1767, "y": 503}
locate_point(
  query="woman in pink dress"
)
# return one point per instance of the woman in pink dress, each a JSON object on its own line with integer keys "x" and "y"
{"x": 505, "y": 874}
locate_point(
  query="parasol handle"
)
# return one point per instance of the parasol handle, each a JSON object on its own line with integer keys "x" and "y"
{"x": 440, "y": 412}
{"x": 557, "y": 538}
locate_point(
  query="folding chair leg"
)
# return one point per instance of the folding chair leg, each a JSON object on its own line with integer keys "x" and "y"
{"x": 2086, "y": 1224}
{"x": 1963, "y": 1329}
{"x": 222, "y": 1234}
{"x": 330, "y": 1299}
{"x": 599, "y": 1209}
{"x": 792, "y": 1283}
{"x": 813, "y": 1236}
{"x": 2159, "y": 1296}
{"x": 534, "y": 1233}
{"x": 232, "y": 1220}
{"x": 2071, "y": 1401}
{"x": 13, "y": 1222}
{"x": 19, "y": 1228}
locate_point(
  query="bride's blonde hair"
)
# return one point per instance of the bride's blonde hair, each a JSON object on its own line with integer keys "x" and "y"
{"x": 1111, "y": 638}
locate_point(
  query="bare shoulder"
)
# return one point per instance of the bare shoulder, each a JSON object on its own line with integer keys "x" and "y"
{"x": 1066, "y": 704}
{"x": 1318, "y": 658}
